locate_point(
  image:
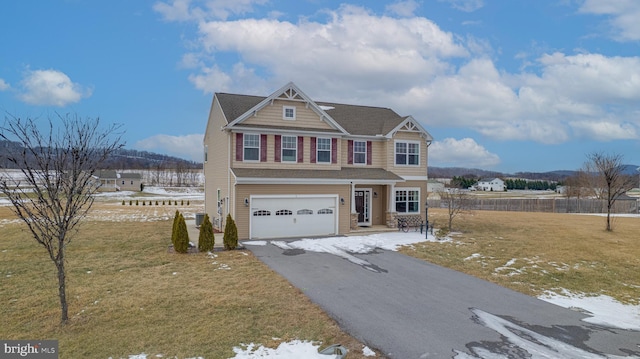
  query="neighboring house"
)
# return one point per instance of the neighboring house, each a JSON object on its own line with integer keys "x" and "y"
{"x": 108, "y": 180}
{"x": 490, "y": 184}
{"x": 435, "y": 186}
{"x": 287, "y": 166}
{"x": 130, "y": 181}
{"x": 114, "y": 181}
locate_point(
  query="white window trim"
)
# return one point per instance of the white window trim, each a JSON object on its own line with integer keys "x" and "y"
{"x": 318, "y": 150}
{"x": 354, "y": 153}
{"x": 295, "y": 157}
{"x": 407, "y": 154}
{"x": 395, "y": 192}
{"x": 284, "y": 113}
{"x": 244, "y": 147}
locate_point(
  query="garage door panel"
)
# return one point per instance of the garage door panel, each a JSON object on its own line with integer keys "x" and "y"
{"x": 293, "y": 216}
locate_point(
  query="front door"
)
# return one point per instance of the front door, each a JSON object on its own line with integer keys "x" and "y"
{"x": 362, "y": 199}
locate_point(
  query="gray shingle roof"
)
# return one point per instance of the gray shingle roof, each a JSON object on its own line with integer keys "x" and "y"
{"x": 357, "y": 120}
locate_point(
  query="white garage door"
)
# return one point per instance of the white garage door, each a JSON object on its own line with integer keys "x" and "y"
{"x": 293, "y": 216}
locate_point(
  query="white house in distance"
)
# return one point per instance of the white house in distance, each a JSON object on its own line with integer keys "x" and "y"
{"x": 491, "y": 184}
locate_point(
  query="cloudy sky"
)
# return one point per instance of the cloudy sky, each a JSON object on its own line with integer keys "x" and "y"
{"x": 502, "y": 85}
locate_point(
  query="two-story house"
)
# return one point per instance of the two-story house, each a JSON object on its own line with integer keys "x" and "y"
{"x": 491, "y": 184}
{"x": 287, "y": 166}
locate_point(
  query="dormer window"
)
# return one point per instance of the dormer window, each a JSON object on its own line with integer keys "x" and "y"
{"x": 289, "y": 112}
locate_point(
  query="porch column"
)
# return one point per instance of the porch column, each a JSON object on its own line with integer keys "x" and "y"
{"x": 391, "y": 223}
{"x": 352, "y": 199}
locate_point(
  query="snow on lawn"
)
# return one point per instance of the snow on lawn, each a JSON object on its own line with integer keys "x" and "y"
{"x": 603, "y": 310}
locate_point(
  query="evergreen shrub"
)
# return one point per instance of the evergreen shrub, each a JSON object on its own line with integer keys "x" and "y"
{"x": 230, "y": 238}
{"x": 206, "y": 238}
{"x": 182, "y": 236}
{"x": 174, "y": 228}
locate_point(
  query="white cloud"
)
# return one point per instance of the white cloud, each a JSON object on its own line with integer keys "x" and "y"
{"x": 411, "y": 65}
{"x": 465, "y": 5}
{"x": 461, "y": 153}
{"x": 354, "y": 50}
{"x": 3, "y": 85}
{"x": 185, "y": 10}
{"x": 187, "y": 146}
{"x": 605, "y": 130}
{"x": 623, "y": 16}
{"x": 403, "y": 8}
{"x": 51, "y": 87}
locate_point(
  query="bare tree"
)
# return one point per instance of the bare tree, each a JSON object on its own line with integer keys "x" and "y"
{"x": 456, "y": 201}
{"x": 608, "y": 172}
{"x": 58, "y": 182}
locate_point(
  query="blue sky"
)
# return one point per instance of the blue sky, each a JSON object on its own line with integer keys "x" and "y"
{"x": 502, "y": 85}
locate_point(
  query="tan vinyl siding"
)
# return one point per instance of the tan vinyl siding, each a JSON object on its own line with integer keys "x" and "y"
{"x": 271, "y": 115}
{"x": 215, "y": 169}
{"x": 271, "y": 163}
{"x": 423, "y": 192}
{"x": 420, "y": 170}
{"x": 378, "y": 151}
{"x": 246, "y": 191}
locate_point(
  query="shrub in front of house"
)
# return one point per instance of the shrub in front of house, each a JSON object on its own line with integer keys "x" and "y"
{"x": 206, "y": 238}
{"x": 182, "y": 236}
{"x": 230, "y": 239}
{"x": 174, "y": 228}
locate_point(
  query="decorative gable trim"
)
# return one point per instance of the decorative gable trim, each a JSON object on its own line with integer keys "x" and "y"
{"x": 410, "y": 125}
{"x": 289, "y": 92}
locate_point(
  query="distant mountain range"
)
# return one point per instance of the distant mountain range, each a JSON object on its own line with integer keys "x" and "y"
{"x": 120, "y": 160}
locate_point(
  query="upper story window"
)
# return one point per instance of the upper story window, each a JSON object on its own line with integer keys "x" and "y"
{"x": 323, "y": 149}
{"x": 360, "y": 152}
{"x": 206, "y": 153}
{"x": 408, "y": 153}
{"x": 289, "y": 112}
{"x": 251, "y": 148}
{"x": 289, "y": 148}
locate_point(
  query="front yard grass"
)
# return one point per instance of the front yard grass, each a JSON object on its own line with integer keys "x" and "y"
{"x": 128, "y": 295}
{"x": 537, "y": 252}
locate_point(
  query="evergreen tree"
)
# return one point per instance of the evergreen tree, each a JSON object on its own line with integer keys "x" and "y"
{"x": 174, "y": 228}
{"x": 206, "y": 239}
{"x": 182, "y": 236}
{"x": 230, "y": 238}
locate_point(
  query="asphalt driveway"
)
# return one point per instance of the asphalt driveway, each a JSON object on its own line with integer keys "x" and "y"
{"x": 409, "y": 308}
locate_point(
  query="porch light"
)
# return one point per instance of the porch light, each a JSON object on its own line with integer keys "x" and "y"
{"x": 246, "y": 202}
{"x": 342, "y": 201}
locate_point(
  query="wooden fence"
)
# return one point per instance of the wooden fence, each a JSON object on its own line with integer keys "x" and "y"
{"x": 554, "y": 205}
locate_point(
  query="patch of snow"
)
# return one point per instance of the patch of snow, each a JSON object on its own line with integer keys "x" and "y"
{"x": 368, "y": 352}
{"x": 473, "y": 256}
{"x": 603, "y": 310}
{"x": 536, "y": 345}
{"x": 295, "y": 349}
{"x": 255, "y": 243}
